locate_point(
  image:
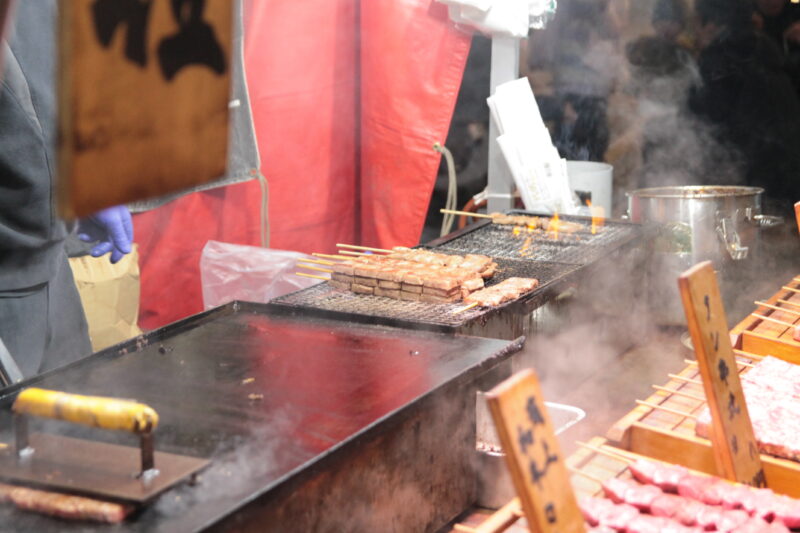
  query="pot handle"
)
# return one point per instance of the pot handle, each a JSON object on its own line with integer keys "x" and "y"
{"x": 731, "y": 240}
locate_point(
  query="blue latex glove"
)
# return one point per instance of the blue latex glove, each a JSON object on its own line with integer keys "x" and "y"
{"x": 111, "y": 229}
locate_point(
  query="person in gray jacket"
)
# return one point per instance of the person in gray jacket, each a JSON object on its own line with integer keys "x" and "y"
{"x": 42, "y": 322}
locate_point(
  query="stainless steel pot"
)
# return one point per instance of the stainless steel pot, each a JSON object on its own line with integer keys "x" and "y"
{"x": 694, "y": 224}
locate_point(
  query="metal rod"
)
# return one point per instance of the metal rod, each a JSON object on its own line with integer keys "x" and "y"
{"x": 147, "y": 444}
{"x": 21, "y": 434}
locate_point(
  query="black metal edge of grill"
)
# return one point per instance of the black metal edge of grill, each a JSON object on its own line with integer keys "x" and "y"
{"x": 134, "y": 344}
{"x": 469, "y": 228}
{"x": 358, "y": 318}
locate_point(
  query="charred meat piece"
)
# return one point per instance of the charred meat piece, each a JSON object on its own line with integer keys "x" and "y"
{"x": 64, "y": 506}
{"x": 507, "y": 290}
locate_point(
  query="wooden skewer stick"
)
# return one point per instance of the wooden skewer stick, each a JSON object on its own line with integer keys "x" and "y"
{"x": 345, "y": 252}
{"x": 616, "y": 454}
{"x": 775, "y": 320}
{"x": 782, "y": 309}
{"x": 796, "y": 304}
{"x": 693, "y": 362}
{"x": 311, "y": 267}
{"x": 319, "y": 262}
{"x": 680, "y": 393}
{"x": 584, "y": 474}
{"x": 367, "y": 248}
{"x": 311, "y": 276}
{"x": 792, "y": 289}
{"x": 465, "y": 213}
{"x": 684, "y": 379}
{"x": 466, "y": 308}
{"x": 748, "y": 354}
{"x": 499, "y": 521}
{"x": 329, "y": 256}
{"x": 666, "y": 409}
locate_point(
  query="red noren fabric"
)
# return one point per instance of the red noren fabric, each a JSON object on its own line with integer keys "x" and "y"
{"x": 348, "y": 98}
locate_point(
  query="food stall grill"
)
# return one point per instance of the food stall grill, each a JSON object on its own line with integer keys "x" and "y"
{"x": 557, "y": 260}
{"x": 309, "y": 424}
{"x": 515, "y": 242}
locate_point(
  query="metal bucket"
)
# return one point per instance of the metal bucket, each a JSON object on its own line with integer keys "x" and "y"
{"x": 693, "y": 224}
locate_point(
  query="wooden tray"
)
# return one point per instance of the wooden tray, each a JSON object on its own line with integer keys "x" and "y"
{"x": 671, "y": 437}
{"x": 762, "y": 337}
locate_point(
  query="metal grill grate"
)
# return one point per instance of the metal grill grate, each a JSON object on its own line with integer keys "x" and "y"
{"x": 323, "y": 297}
{"x": 581, "y": 248}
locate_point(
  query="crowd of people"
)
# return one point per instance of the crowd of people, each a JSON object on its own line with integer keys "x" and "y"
{"x": 706, "y": 92}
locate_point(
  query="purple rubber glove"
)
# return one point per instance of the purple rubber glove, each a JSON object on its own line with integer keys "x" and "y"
{"x": 111, "y": 229}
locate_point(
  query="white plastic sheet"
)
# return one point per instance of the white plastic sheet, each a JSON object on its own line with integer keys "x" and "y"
{"x": 234, "y": 272}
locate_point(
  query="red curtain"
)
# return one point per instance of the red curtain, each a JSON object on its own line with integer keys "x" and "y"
{"x": 171, "y": 239}
{"x": 412, "y": 60}
{"x": 348, "y": 99}
{"x": 301, "y": 69}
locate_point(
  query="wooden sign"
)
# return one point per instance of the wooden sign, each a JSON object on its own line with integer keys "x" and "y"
{"x": 533, "y": 455}
{"x": 797, "y": 214}
{"x": 144, "y": 87}
{"x": 735, "y": 447}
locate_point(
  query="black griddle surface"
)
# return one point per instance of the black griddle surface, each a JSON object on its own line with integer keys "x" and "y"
{"x": 324, "y": 384}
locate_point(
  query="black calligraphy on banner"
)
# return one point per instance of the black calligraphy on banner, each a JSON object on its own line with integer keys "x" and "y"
{"x": 751, "y": 449}
{"x": 534, "y": 414}
{"x": 536, "y": 473}
{"x": 195, "y": 42}
{"x": 733, "y": 407}
{"x": 724, "y": 371}
{"x": 130, "y": 16}
{"x": 550, "y": 513}
{"x": 525, "y": 439}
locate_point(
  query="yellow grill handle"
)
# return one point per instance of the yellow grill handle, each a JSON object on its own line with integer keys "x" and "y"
{"x": 94, "y": 411}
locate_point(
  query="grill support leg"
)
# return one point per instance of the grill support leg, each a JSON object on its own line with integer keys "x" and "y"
{"x": 147, "y": 446}
{"x": 21, "y": 435}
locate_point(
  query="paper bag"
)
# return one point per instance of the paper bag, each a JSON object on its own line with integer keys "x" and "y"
{"x": 110, "y": 297}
